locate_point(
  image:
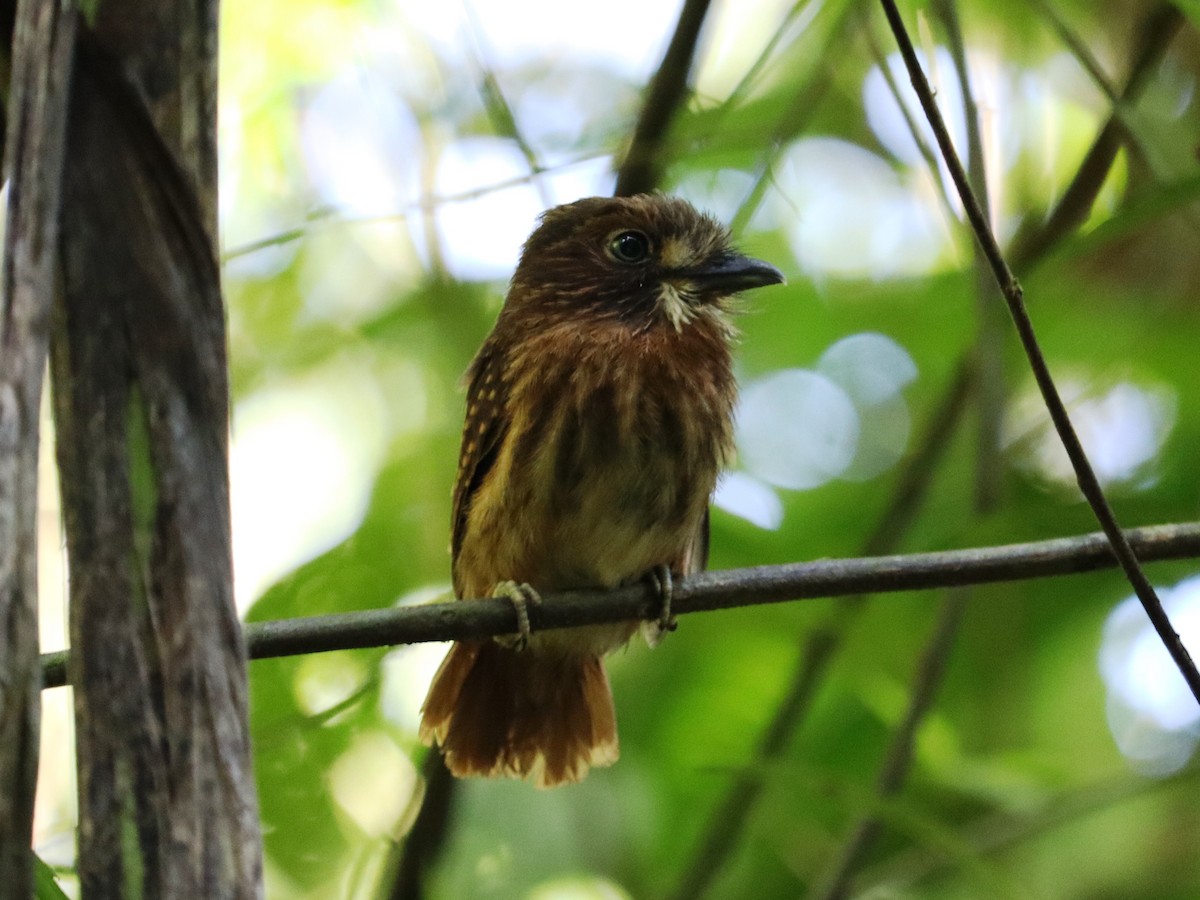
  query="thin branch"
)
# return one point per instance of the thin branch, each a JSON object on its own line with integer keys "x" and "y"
{"x": 504, "y": 120}
{"x": 703, "y": 592}
{"x": 640, "y": 172}
{"x": 423, "y": 843}
{"x": 807, "y": 9}
{"x": 805, "y": 104}
{"x": 729, "y": 815}
{"x": 823, "y": 643}
{"x": 994, "y": 833}
{"x": 930, "y": 672}
{"x": 989, "y": 340}
{"x": 1088, "y": 483}
{"x": 918, "y": 136}
{"x": 499, "y": 110}
{"x": 1128, "y": 133}
{"x": 1159, "y": 28}
{"x": 331, "y": 215}
{"x": 1081, "y": 52}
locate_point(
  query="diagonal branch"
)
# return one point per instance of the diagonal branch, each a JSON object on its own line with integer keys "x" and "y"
{"x": 900, "y": 752}
{"x": 993, "y": 833}
{"x": 500, "y": 111}
{"x": 989, "y": 344}
{"x": 1029, "y": 246}
{"x": 641, "y": 170}
{"x": 728, "y": 817}
{"x": 990, "y": 396}
{"x": 820, "y": 648}
{"x": 703, "y": 592}
{"x": 1011, "y": 290}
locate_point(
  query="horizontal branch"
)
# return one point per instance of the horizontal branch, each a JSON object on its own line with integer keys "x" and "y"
{"x": 477, "y": 619}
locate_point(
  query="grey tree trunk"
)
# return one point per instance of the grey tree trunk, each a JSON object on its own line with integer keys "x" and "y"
{"x": 141, "y": 406}
{"x": 42, "y": 44}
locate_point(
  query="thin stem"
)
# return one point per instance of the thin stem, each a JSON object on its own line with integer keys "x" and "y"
{"x": 1030, "y": 244}
{"x": 930, "y": 671}
{"x": 499, "y": 110}
{"x": 994, "y": 833}
{"x": 1011, "y": 290}
{"x": 989, "y": 343}
{"x": 729, "y": 816}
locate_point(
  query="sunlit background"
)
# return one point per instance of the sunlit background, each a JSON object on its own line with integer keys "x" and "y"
{"x": 381, "y": 163}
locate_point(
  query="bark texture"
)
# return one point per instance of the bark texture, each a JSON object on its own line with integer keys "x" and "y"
{"x": 41, "y": 57}
{"x": 166, "y": 792}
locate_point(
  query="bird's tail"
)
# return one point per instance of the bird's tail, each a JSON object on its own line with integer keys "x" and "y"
{"x": 520, "y": 713}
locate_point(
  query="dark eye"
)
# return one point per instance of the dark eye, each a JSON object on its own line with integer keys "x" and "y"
{"x": 630, "y": 247}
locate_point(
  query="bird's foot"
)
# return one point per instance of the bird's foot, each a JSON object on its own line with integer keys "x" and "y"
{"x": 664, "y": 585}
{"x": 521, "y": 596}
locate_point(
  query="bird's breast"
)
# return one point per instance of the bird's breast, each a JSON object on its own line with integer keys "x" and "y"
{"x": 612, "y": 453}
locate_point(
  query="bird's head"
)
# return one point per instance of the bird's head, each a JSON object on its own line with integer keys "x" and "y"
{"x": 646, "y": 260}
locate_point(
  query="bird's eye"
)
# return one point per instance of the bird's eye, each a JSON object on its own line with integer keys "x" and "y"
{"x": 630, "y": 247}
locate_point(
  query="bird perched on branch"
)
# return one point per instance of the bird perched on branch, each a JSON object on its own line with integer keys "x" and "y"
{"x": 599, "y": 414}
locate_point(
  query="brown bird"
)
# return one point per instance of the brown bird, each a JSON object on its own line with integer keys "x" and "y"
{"x": 599, "y": 415}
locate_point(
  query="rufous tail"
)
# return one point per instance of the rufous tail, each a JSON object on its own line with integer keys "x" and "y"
{"x": 497, "y": 711}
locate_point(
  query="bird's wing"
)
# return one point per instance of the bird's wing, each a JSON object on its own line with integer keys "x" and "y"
{"x": 695, "y": 559}
{"x": 483, "y": 432}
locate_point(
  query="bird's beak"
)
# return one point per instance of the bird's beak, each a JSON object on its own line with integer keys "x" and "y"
{"x": 733, "y": 272}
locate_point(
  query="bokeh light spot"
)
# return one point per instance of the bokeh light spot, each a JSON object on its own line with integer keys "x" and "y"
{"x": 796, "y": 429}
{"x": 1151, "y": 711}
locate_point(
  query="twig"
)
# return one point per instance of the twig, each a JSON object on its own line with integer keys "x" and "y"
{"x": 1088, "y": 483}
{"x": 1127, "y": 132}
{"x": 806, "y": 9}
{"x": 1072, "y": 208}
{"x": 703, "y": 592}
{"x": 1081, "y": 52}
{"x": 330, "y": 215}
{"x": 499, "y": 110}
{"x": 994, "y": 833}
{"x": 640, "y": 170}
{"x": 805, "y": 104}
{"x": 989, "y": 345}
{"x": 889, "y": 79}
{"x": 930, "y": 671}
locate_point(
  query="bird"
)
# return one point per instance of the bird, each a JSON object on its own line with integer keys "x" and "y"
{"x": 599, "y": 414}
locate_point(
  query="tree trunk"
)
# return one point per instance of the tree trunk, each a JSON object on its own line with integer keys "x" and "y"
{"x": 166, "y": 793}
{"x": 42, "y": 43}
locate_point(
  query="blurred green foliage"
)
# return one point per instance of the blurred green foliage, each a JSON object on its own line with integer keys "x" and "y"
{"x": 1017, "y": 788}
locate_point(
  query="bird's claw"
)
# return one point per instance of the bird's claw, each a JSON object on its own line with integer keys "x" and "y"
{"x": 521, "y": 596}
{"x": 664, "y": 585}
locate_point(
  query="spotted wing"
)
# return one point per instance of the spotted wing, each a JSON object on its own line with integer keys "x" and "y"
{"x": 483, "y": 433}
{"x": 695, "y": 558}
